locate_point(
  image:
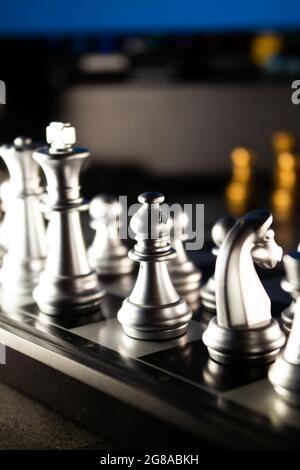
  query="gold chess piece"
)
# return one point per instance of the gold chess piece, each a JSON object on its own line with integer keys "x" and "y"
{"x": 285, "y": 175}
{"x": 238, "y": 191}
{"x": 283, "y": 141}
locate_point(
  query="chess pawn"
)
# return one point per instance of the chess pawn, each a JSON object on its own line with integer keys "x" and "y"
{"x": 218, "y": 233}
{"x": 23, "y": 231}
{"x": 285, "y": 372}
{"x": 107, "y": 254}
{"x": 243, "y": 330}
{"x": 185, "y": 276}
{"x": 67, "y": 285}
{"x": 154, "y": 310}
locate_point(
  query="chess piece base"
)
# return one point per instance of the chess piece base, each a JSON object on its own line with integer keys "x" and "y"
{"x": 78, "y": 295}
{"x": 285, "y": 379}
{"x": 258, "y": 345}
{"x": 154, "y": 323}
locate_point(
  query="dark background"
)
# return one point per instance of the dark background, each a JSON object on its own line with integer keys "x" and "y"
{"x": 155, "y": 89}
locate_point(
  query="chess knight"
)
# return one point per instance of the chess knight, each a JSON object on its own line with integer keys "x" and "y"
{"x": 244, "y": 329}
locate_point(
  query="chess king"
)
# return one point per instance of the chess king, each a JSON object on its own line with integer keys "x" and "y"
{"x": 243, "y": 330}
{"x": 67, "y": 285}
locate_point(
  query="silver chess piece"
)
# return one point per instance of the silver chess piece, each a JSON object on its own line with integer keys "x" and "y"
{"x": 218, "y": 233}
{"x": 107, "y": 254}
{"x": 4, "y": 230}
{"x": 284, "y": 374}
{"x": 67, "y": 285}
{"x": 23, "y": 232}
{"x": 154, "y": 310}
{"x": 290, "y": 285}
{"x": 185, "y": 276}
{"x": 5, "y": 196}
{"x": 243, "y": 330}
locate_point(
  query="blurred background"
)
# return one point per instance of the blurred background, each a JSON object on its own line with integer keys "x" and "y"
{"x": 191, "y": 98}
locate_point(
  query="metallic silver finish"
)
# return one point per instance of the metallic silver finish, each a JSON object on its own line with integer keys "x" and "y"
{"x": 22, "y": 232}
{"x": 67, "y": 285}
{"x": 185, "y": 276}
{"x": 285, "y": 372}
{"x": 107, "y": 254}
{"x": 5, "y": 196}
{"x": 154, "y": 310}
{"x": 218, "y": 233}
{"x": 4, "y": 230}
{"x": 291, "y": 284}
{"x": 61, "y": 136}
{"x": 243, "y": 330}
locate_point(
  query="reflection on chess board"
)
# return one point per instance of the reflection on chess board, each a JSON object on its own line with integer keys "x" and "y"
{"x": 189, "y": 346}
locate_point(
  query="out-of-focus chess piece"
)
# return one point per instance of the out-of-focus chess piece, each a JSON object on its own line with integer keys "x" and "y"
{"x": 243, "y": 331}
{"x": 5, "y": 194}
{"x": 107, "y": 254}
{"x": 291, "y": 284}
{"x": 67, "y": 285}
{"x": 239, "y": 190}
{"x": 285, "y": 175}
{"x": 283, "y": 141}
{"x": 264, "y": 47}
{"x": 24, "y": 234}
{"x": 218, "y": 233}
{"x": 285, "y": 373}
{"x": 154, "y": 310}
{"x": 185, "y": 275}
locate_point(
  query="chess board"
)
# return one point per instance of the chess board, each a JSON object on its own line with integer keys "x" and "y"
{"x": 144, "y": 394}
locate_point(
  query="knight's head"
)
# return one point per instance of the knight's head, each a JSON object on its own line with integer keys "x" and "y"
{"x": 265, "y": 252}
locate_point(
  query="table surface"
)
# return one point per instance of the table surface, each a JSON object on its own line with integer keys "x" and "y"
{"x": 26, "y": 424}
